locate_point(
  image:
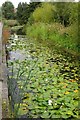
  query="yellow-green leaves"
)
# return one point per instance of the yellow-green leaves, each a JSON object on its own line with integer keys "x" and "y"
{"x": 40, "y": 15}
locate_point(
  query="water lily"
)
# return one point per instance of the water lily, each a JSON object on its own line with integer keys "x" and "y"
{"x": 49, "y": 102}
{"x": 46, "y": 79}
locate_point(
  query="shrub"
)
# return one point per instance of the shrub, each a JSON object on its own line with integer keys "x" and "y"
{"x": 61, "y": 36}
{"x": 40, "y": 15}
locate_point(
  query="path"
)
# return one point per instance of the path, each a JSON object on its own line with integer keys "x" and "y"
{"x": 3, "y": 79}
{"x": 0, "y": 71}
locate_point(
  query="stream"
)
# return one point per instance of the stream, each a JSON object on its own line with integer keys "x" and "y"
{"x": 42, "y": 82}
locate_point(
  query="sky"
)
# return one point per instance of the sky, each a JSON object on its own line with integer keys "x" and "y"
{"x": 15, "y": 2}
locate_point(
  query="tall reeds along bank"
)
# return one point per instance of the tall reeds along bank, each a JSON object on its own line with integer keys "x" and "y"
{"x": 65, "y": 37}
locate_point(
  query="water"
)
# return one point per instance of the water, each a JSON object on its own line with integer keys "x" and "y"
{"x": 17, "y": 55}
{"x": 41, "y": 73}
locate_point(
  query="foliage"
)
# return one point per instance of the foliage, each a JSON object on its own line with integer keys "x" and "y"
{"x": 66, "y": 13}
{"x": 79, "y": 25}
{"x": 40, "y": 15}
{"x": 8, "y": 10}
{"x": 74, "y": 13}
{"x": 58, "y": 23}
{"x": 24, "y": 11}
{"x": 10, "y": 23}
{"x": 0, "y": 13}
{"x": 60, "y": 35}
{"x": 42, "y": 82}
{"x": 72, "y": 31}
{"x": 47, "y": 82}
{"x": 34, "y": 5}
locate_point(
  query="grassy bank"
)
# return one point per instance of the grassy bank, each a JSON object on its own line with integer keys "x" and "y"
{"x": 65, "y": 37}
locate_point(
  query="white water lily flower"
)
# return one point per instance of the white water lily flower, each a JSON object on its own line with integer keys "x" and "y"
{"x": 55, "y": 103}
{"x": 49, "y": 102}
{"x": 46, "y": 79}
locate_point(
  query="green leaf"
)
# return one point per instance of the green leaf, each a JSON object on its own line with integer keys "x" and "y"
{"x": 45, "y": 115}
{"x": 69, "y": 112}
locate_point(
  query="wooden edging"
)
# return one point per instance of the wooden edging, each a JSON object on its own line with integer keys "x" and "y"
{"x": 3, "y": 77}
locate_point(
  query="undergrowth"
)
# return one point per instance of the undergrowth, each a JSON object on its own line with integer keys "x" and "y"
{"x": 65, "y": 37}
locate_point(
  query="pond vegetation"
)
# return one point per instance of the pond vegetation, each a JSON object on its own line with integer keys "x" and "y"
{"x": 44, "y": 83}
{"x": 43, "y": 60}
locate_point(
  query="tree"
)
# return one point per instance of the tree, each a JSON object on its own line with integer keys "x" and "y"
{"x": 23, "y": 13}
{"x": 8, "y": 10}
{"x": 33, "y": 5}
{"x": 45, "y": 13}
{"x": 66, "y": 13}
{"x": 74, "y": 13}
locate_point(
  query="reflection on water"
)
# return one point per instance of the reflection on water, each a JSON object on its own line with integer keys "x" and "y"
{"x": 20, "y": 53}
{"x": 17, "y": 55}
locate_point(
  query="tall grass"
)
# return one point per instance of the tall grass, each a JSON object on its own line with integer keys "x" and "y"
{"x": 61, "y": 36}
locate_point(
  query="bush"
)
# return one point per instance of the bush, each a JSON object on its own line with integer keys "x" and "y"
{"x": 40, "y": 15}
{"x": 10, "y": 23}
{"x": 61, "y": 36}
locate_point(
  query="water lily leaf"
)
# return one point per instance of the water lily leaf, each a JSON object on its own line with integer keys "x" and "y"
{"x": 22, "y": 109}
{"x": 46, "y": 76}
{"x": 69, "y": 112}
{"x": 45, "y": 115}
